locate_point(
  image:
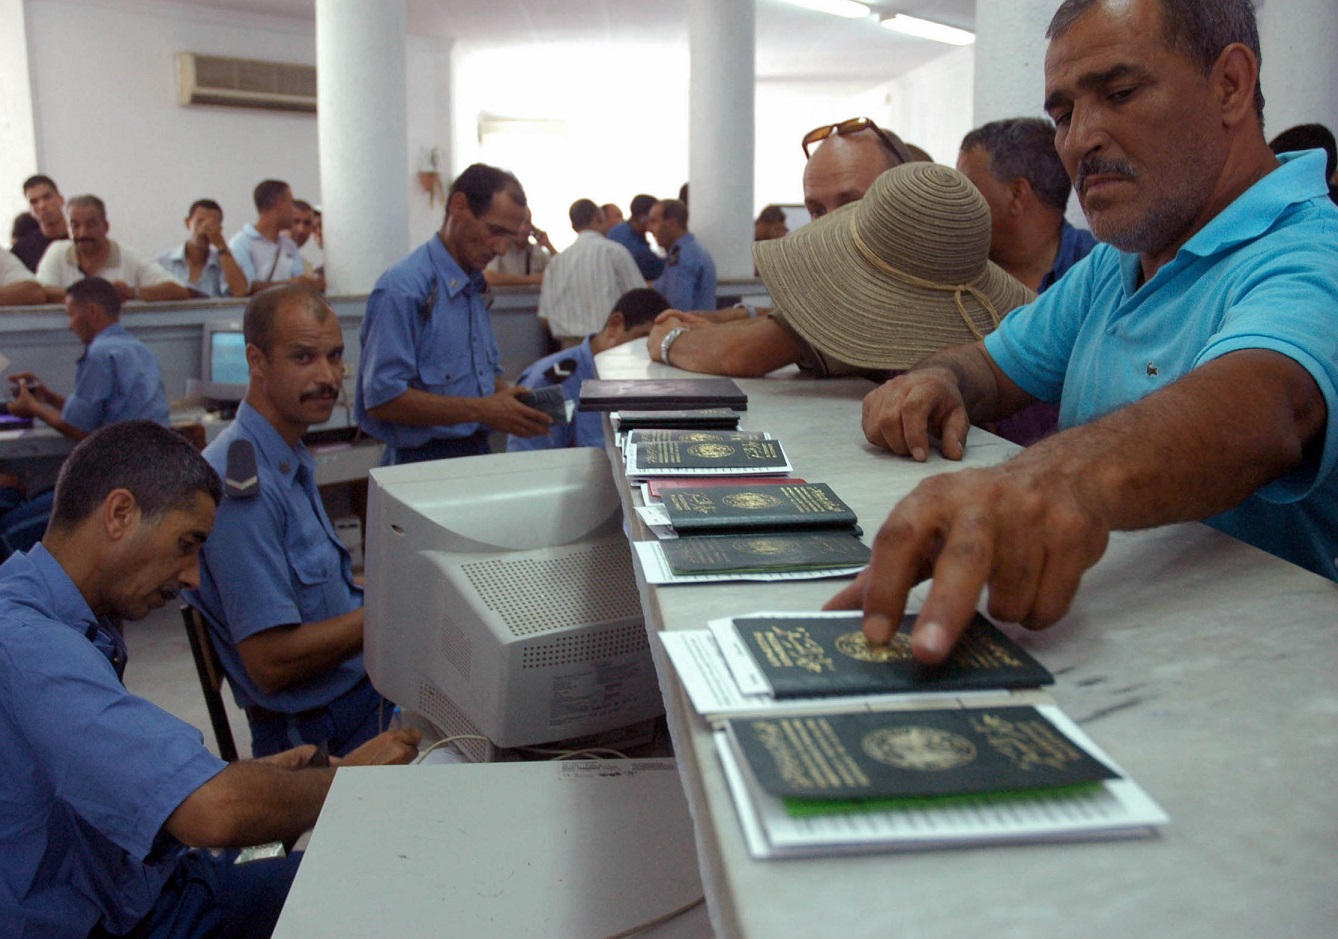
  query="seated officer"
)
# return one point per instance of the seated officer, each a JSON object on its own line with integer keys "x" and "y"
{"x": 102, "y": 792}
{"x": 632, "y": 317}
{"x": 276, "y": 581}
{"x": 117, "y": 379}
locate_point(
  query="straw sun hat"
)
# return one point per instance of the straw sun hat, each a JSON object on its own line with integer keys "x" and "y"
{"x": 904, "y": 272}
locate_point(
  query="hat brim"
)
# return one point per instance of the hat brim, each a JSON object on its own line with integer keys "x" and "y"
{"x": 846, "y": 308}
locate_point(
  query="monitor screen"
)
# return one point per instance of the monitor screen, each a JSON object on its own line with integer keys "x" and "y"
{"x": 227, "y": 358}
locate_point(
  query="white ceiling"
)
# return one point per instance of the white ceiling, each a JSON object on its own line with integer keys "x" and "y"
{"x": 792, "y": 44}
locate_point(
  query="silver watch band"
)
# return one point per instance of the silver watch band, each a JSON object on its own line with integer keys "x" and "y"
{"x": 668, "y": 340}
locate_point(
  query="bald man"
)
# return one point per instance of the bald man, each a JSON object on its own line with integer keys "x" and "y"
{"x": 838, "y": 172}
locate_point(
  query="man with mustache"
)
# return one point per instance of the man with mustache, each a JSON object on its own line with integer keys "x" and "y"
{"x": 106, "y": 800}
{"x": 276, "y": 582}
{"x": 1194, "y": 355}
{"x": 93, "y": 254}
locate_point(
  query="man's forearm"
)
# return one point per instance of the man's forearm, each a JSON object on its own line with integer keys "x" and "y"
{"x": 418, "y": 408}
{"x": 52, "y": 416}
{"x": 745, "y": 348}
{"x": 168, "y": 290}
{"x": 233, "y": 275}
{"x": 24, "y": 293}
{"x": 1200, "y": 446}
{"x": 251, "y": 803}
{"x": 285, "y": 655}
{"x": 987, "y": 393}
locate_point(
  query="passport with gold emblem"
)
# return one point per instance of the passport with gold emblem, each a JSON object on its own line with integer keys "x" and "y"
{"x": 751, "y": 508}
{"x": 906, "y": 757}
{"x": 669, "y": 457}
{"x": 764, "y": 552}
{"x": 814, "y": 656}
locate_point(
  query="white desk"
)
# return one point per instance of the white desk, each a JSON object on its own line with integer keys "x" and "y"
{"x": 505, "y": 850}
{"x": 1208, "y": 669}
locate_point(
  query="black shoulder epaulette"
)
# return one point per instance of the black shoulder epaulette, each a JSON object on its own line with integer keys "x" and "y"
{"x": 561, "y": 370}
{"x": 241, "y": 481}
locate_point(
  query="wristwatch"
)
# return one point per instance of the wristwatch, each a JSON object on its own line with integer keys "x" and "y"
{"x": 668, "y": 341}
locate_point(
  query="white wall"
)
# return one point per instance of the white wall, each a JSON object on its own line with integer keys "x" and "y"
{"x": 1299, "y": 43}
{"x": 18, "y": 148}
{"x": 108, "y": 122}
{"x": 611, "y": 139}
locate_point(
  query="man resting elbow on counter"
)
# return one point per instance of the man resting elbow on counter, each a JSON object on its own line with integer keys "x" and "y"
{"x": 1194, "y": 354}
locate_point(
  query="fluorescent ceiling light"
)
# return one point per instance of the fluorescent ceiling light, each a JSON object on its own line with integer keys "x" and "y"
{"x": 928, "y": 29}
{"x": 847, "y": 8}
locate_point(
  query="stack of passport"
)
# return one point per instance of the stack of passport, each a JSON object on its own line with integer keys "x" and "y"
{"x": 832, "y": 746}
{"x": 758, "y": 528}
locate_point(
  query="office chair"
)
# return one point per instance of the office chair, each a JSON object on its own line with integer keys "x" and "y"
{"x": 211, "y": 679}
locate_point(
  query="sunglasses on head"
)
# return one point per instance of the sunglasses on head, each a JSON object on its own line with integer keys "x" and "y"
{"x": 852, "y": 126}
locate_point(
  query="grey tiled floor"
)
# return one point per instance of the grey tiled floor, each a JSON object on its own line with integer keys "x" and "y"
{"x": 162, "y": 670}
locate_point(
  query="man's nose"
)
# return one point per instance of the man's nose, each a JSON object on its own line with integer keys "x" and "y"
{"x": 189, "y": 576}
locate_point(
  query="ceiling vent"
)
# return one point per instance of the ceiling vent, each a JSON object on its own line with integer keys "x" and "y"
{"x": 246, "y": 83}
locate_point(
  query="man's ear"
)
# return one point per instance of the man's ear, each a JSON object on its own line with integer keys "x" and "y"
{"x": 255, "y": 359}
{"x": 120, "y": 514}
{"x": 1234, "y": 77}
{"x": 457, "y": 204}
{"x": 616, "y": 324}
{"x": 1018, "y": 192}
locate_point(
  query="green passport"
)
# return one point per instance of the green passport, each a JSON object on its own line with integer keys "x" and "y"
{"x": 749, "y": 508}
{"x": 804, "y": 657}
{"x": 720, "y": 454}
{"x": 913, "y": 755}
{"x": 764, "y": 553}
{"x": 682, "y": 435}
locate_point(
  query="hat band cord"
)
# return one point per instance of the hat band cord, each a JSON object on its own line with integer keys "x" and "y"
{"x": 955, "y": 289}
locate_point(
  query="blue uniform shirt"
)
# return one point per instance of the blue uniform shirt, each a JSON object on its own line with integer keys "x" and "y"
{"x": 448, "y": 349}
{"x": 650, "y": 263}
{"x": 274, "y": 560}
{"x": 688, "y": 281}
{"x": 1263, "y": 274}
{"x": 211, "y": 282}
{"x": 567, "y": 368}
{"x": 117, "y": 379}
{"x": 90, "y": 772}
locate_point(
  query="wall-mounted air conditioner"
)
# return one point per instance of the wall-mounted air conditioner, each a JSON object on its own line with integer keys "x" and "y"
{"x": 245, "y": 83}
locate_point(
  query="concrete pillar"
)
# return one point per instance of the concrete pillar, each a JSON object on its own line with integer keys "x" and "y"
{"x": 721, "y": 44}
{"x": 1299, "y": 42}
{"x": 362, "y": 130}
{"x": 1010, "y": 58}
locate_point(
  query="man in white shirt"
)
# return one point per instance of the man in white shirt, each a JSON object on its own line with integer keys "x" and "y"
{"x": 90, "y": 253}
{"x": 17, "y": 286}
{"x": 584, "y": 282}
{"x": 266, "y": 255}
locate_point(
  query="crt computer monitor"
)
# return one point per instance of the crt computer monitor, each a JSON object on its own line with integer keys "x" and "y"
{"x": 501, "y": 600}
{"x": 224, "y": 372}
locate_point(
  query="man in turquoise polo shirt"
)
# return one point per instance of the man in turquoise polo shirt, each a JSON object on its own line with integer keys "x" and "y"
{"x": 1194, "y": 354}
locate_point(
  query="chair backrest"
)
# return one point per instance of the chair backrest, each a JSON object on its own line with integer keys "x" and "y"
{"x": 211, "y": 679}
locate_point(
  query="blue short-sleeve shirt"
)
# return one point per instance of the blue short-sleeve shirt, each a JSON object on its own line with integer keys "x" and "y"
{"x": 566, "y": 369}
{"x": 1263, "y": 274}
{"x": 274, "y": 560}
{"x": 117, "y": 379}
{"x": 210, "y": 283}
{"x": 446, "y": 347}
{"x": 648, "y": 262}
{"x": 90, "y": 771}
{"x": 688, "y": 280}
